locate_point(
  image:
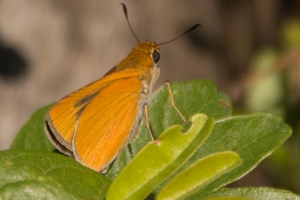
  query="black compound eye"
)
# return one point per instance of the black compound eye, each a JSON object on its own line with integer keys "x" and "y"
{"x": 155, "y": 56}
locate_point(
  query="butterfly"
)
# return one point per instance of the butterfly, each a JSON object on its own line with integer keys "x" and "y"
{"x": 95, "y": 123}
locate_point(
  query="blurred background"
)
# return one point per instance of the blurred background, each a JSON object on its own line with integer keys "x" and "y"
{"x": 249, "y": 49}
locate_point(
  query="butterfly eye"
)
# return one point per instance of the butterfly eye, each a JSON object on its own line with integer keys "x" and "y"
{"x": 155, "y": 56}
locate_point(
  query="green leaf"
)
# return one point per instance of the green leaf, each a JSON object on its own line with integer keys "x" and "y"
{"x": 198, "y": 96}
{"x": 255, "y": 193}
{"x": 200, "y": 174}
{"x": 159, "y": 159}
{"x": 45, "y": 175}
{"x": 253, "y": 137}
{"x": 32, "y": 135}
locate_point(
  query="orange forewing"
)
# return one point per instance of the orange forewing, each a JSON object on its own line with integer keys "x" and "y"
{"x": 63, "y": 116}
{"x": 106, "y": 123}
{"x": 96, "y": 122}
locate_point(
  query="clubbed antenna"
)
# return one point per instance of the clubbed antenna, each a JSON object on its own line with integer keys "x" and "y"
{"x": 125, "y": 12}
{"x": 188, "y": 31}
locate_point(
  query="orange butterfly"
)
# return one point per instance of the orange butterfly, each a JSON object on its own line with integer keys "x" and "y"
{"x": 95, "y": 123}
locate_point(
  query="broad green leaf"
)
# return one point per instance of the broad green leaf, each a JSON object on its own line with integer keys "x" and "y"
{"x": 45, "y": 175}
{"x": 199, "y": 174}
{"x": 159, "y": 159}
{"x": 33, "y": 187}
{"x": 255, "y": 193}
{"x": 197, "y": 96}
{"x": 32, "y": 135}
{"x": 253, "y": 137}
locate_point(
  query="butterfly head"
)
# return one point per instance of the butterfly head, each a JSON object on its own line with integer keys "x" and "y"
{"x": 150, "y": 48}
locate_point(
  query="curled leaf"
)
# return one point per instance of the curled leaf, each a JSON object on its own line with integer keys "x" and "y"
{"x": 159, "y": 159}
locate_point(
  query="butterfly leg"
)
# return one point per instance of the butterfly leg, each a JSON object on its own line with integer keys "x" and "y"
{"x": 173, "y": 103}
{"x": 148, "y": 121}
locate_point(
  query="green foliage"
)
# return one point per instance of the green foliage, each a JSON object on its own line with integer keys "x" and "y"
{"x": 32, "y": 136}
{"x": 53, "y": 176}
{"x": 200, "y": 174}
{"x": 44, "y": 175}
{"x": 160, "y": 159}
{"x": 255, "y": 193}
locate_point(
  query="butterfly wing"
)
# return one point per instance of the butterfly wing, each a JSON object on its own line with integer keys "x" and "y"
{"x": 105, "y": 126}
{"x": 63, "y": 118}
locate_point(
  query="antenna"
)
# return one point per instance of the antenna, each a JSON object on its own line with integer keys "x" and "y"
{"x": 188, "y": 31}
{"x": 126, "y": 15}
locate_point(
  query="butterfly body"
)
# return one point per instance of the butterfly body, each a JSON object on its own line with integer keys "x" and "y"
{"x": 95, "y": 123}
